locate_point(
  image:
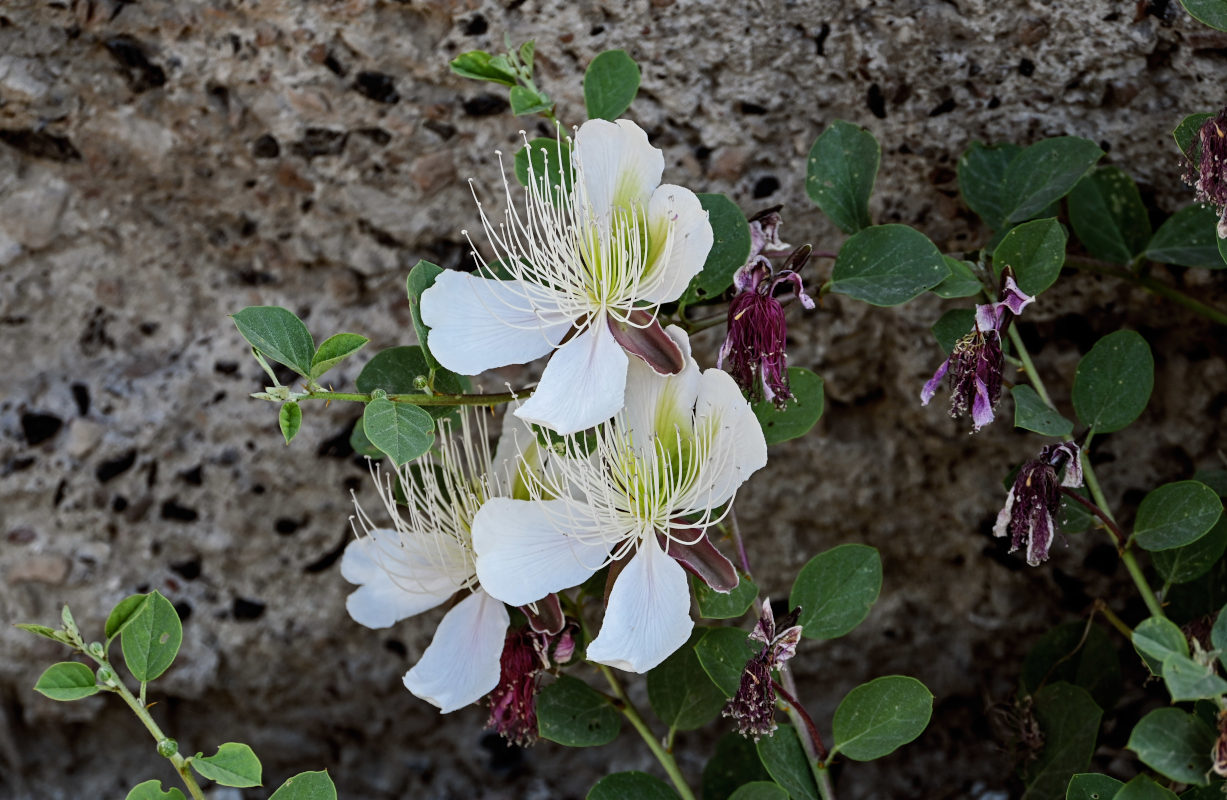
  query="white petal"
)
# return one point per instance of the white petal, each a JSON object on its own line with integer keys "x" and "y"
{"x": 582, "y": 385}
{"x": 680, "y": 237}
{"x": 478, "y": 323}
{"x": 380, "y": 600}
{"x": 649, "y": 612}
{"x": 738, "y": 450}
{"x": 618, "y": 167}
{"x": 659, "y": 405}
{"x": 462, "y": 663}
{"x": 517, "y": 450}
{"x": 524, "y": 552}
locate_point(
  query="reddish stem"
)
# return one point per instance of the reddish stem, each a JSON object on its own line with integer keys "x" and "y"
{"x": 819, "y": 747}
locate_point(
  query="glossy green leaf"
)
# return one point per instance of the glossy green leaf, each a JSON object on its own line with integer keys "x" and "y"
{"x": 1188, "y": 680}
{"x": 400, "y": 430}
{"x": 1044, "y": 173}
{"x": 525, "y": 101}
{"x": 233, "y": 764}
{"x": 1208, "y": 12}
{"x": 836, "y": 589}
{"x": 1084, "y": 658}
{"x": 840, "y": 172}
{"x": 799, "y": 415}
{"x": 334, "y": 350}
{"x": 610, "y": 84}
{"x": 734, "y": 763}
{"x": 981, "y": 171}
{"x": 1113, "y": 383}
{"x": 961, "y": 282}
{"x": 1187, "y": 563}
{"x": 1186, "y": 134}
{"x": 1092, "y": 786}
{"x": 278, "y": 334}
{"x": 887, "y": 265}
{"x": 1218, "y": 636}
{"x": 550, "y": 160}
{"x": 1188, "y": 238}
{"x": 878, "y": 717}
{"x": 760, "y": 790}
{"x": 730, "y": 250}
{"x": 721, "y": 605}
{"x": 67, "y": 680}
{"x": 150, "y": 640}
{"x": 482, "y": 66}
{"x": 1036, "y": 251}
{"x": 680, "y": 692}
{"x": 1143, "y": 788}
{"x": 307, "y": 786}
{"x": 572, "y": 713}
{"x": 1069, "y": 721}
{"x": 421, "y": 278}
{"x": 723, "y": 653}
{"x": 289, "y": 419}
{"x": 1174, "y": 743}
{"x": 1033, "y": 414}
{"x": 953, "y": 325}
{"x": 405, "y": 370}
{"x": 1157, "y": 638}
{"x": 784, "y": 758}
{"x": 121, "y": 614}
{"x": 631, "y": 786}
{"x": 1107, "y": 214}
{"x": 1176, "y": 514}
{"x": 152, "y": 790}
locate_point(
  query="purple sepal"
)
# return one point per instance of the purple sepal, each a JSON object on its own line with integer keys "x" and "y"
{"x": 548, "y": 618}
{"x": 643, "y": 336}
{"x": 981, "y": 406}
{"x": 930, "y": 388}
{"x": 702, "y": 559}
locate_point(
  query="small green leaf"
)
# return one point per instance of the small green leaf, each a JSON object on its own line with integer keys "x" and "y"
{"x": 405, "y": 370}
{"x": 482, "y": 66}
{"x": 1155, "y": 639}
{"x": 1106, "y": 211}
{"x": 1188, "y": 680}
{"x": 307, "y": 786}
{"x": 888, "y": 265}
{"x": 551, "y": 162}
{"x": 734, "y": 763}
{"x": 1033, "y": 414}
{"x": 610, "y": 84}
{"x": 234, "y": 764}
{"x": 1208, "y": 12}
{"x": 53, "y": 634}
{"x": 723, "y": 653}
{"x": 1175, "y": 744}
{"x": 878, "y": 717}
{"x": 840, "y": 172}
{"x": 1072, "y": 653}
{"x": 526, "y": 101}
{"x": 962, "y": 281}
{"x": 279, "y": 335}
{"x": 784, "y": 758}
{"x": 729, "y": 252}
{"x": 981, "y": 171}
{"x": 799, "y": 415}
{"x": 1143, "y": 788}
{"x": 1218, "y": 636}
{"x": 421, "y": 278}
{"x": 150, "y": 640}
{"x": 1113, "y": 383}
{"x": 722, "y": 605}
{"x": 1188, "y": 238}
{"x": 631, "y": 786}
{"x": 1069, "y": 721}
{"x": 1044, "y": 173}
{"x": 836, "y": 589}
{"x": 1190, "y": 562}
{"x": 334, "y": 350}
{"x": 400, "y": 430}
{"x": 572, "y": 713}
{"x": 289, "y": 419}
{"x": 360, "y": 444}
{"x": 1036, "y": 251}
{"x": 1092, "y": 786}
{"x": 953, "y": 325}
{"x": 1176, "y": 514}
{"x": 760, "y": 790}
{"x": 122, "y": 614}
{"x": 1186, "y": 135}
{"x": 152, "y": 790}
{"x": 67, "y": 680}
{"x": 680, "y": 692}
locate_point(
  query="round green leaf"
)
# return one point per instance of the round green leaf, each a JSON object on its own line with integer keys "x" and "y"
{"x": 307, "y": 786}
{"x": 799, "y": 414}
{"x": 279, "y": 334}
{"x": 784, "y": 758}
{"x": 1190, "y": 562}
{"x": 1069, "y": 721}
{"x": 1175, "y": 744}
{"x": 334, "y": 350}
{"x": 1113, "y": 383}
{"x": 729, "y": 252}
{"x": 723, "y": 653}
{"x": 1188, "y": 680}
{"x": 121, "y": 614}
{"x": 836, "y": 589}
{"x": 572, "y": 713}
{"x": 887, "y": 265}
{"x": 1208, "y": 12}
{"x": 952, "y": 326}
{"x": 760, "y": 790}
{"x": 1044, "y": 173}
{"x": 631, "y": 786}
{"x": 360, "y": 444}
{"x": 840, "y": 172}
{"x": 721, "y": 605}
{"x": 150, "y": 640}
{"x": 680, "y": 692}
{"x": 421, "y": 278}
{"x": 610, "y": 84}
{"x": 289, "y": 419}
{"x": 406, "y": 370}
{"x": 551, "y": 160}
{"x": 1186, "y": 134}
{"x": 67, "y": 680}
{"x": 1143, "y": 788}
{"x": 962, "y": 281}
{"x": 1218, "y": 636}
{"x": 234, "y": 764}
{"x": 400, "y": 430}
{"x": 981, "y": 172}
{"x": 1157, "y": 638}
{"x": 1036, "y": 251}
{"x": 1188, "y": 238}
{"x": 1092, "y": 786}
{"x": 734, "y": 763}
{"x": 152, "y": 790}
{"x": 1033, "y": 414}
{"x": 1176, "y": 514}
{"x": 878, "y": 717}
{"x": 1106, "y": 211}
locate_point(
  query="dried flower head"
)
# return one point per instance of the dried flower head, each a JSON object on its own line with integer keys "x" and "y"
{"x": 1031, "y": 508}
{"x": 1209, "y": 174}
{"x": 753, "y": 706}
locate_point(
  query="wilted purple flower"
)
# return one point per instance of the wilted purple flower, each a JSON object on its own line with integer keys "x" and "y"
{"x": 976, "y": 363}
{"x": 1030, "y": 510}
{"x": 753, "y": 707}
{"x": 526, "y": 654}
{"x": 1209, "y": 175}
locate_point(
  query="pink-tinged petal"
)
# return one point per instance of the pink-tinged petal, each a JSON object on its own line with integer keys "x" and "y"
{"x": 461, "y": 665}
{"x": 702, "y": 559}
{"x": 1073, "y": 465}
{"x": 381, "y": 600}
{"x": 981, "y": 406}
{"x": 547, "y": 617}
{"x": 679, "y": 240}
{"x": 1014, "y": 298}
{"x": 524, "y": 552}
{"x": 648, "y": 617}
{"x": 1002, "y": 526}
{"x": 478, "y": 323}
{"x": 583, "y": 384}
{"x": 989, "y": 316}
{"x": 764, "y": 629}
{"x": 618, "y": 167}
{"x": 930, "y": 388}
{"x": 643, "y": 336}
{"x": 738, "y": 446}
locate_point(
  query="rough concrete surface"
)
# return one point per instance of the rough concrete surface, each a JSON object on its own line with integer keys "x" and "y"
{"x": 164, "y": 164}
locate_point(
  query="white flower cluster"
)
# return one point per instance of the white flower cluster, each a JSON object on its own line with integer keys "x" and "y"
{"x": 650, "y": 449}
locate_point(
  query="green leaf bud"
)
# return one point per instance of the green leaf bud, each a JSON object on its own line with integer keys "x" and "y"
{"x": 96, "y": 650}
{"x": 167, "y": 748}
{"x": 105, "y": 674}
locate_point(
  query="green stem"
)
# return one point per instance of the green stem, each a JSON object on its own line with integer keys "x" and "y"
{"x": 1149, "y": 284}
{"x": 1113, "y": 620}
{"x": 412, "y": 398}
{"x": 1029, "y": 366}
{"x": 632, "y": 714}
{"x": 180, "y": 763}
{"x": 811, "y": 742}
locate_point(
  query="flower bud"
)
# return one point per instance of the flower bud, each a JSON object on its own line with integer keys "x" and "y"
{"x": 167, "y": 748}
{"x": 96, "y": 650}
{"x": 105, "y": 674}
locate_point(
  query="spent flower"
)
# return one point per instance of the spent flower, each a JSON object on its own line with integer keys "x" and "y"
{"x": 1208, "y": 176}
{"x": 1030, "y": 512}
{"x": 753, "y": 706}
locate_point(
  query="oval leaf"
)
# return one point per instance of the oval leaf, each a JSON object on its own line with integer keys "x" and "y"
{"x": 840, "y": 172}
{"x": 122, "y": 614}
{"x": 1175, "y": 744}
{"x": 307, "y": 786}
{"x": 962, "y": 281}
{"x": 723, "y": 653}
{"x": 482, "y": 66}
{"x": 760, "y": 790}
{"x": 1188, "y": 680}
{"x": 1188, "y": 238}
{"x": 952, "y": 326}
{"x": 1176, "y": 514}
{"x": 1069, "y": 721}
{"x": 1208, "y": 12}
{"x": 289, "y": 419}
{"x": 234, "y": 764}
{"x": 279, "y": 334}
{"x": 1071, "y": 652}
{"x": 1044, "y": 173}
{"x": 1113, "y": 383}
{"x": 680, "y": 692}
{"x": 334, "y": 350}
{"x": 151, "y": 639}
{"x": 836, "y": 589}
{"x": 1190, "y": 562}
{"x": 610, "y": 84}
{"x": 1036, "y": 251}
{"x": 550, "y": 159}
{"x": 1033, "y": 414}
{"x": 152, "y": 790}
{"x": 799, "y": 415}
{"x": 631, "y": 786}
{"x": 729, "y": 252}
{"x": 878, "y": 717}
{"x": 1092, "y": 786}
{"x": 526, "y": 101}
{"x": 400, "y": 430}
{"x": 572, "y": 713}
{"x": 1143, "y": 788}
{"x": 1106, "y": 211}
{"x": 67, "y": 680}
{"x": 981, "y": 172}
{"x": 734, "y": 763}
{"x": 1186, "y": 134}
{"x": 784, "y": 758}
{"x": 724, "y": 605}
{"x": 406, "y": 370}
{"x": 887, "y": 265}
{"x": 1157, "y": 638}
{"x": 421, "y": 278}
